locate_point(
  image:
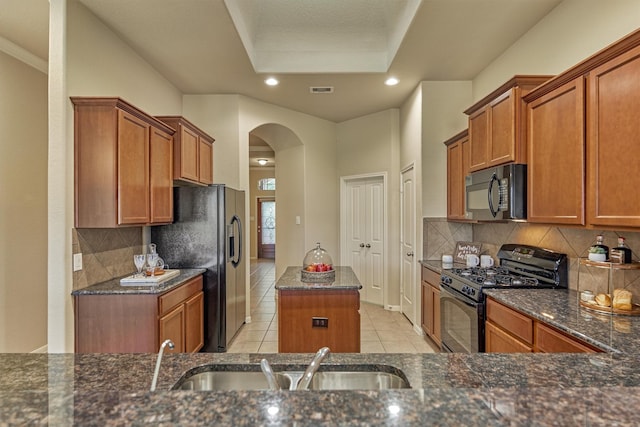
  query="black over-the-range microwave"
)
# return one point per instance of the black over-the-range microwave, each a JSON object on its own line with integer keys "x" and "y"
{"x": 497, "y": 194}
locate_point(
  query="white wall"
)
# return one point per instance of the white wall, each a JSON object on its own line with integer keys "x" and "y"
{"x": 443, "y": 104}
{"x": 319, "y": 209}
{"x": 370, "y": 144}
{"x": 86, "y": 59}
{"x": 573, "y": 31}
{"x": 23, "y": 206}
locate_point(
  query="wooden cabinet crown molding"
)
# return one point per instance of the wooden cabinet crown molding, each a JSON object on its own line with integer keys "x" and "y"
{"x": 123, "y": 105}
{"x": 601, "y": 57}
{"x": 515, "y": 81}
{"x": 174, "y": 120}
{"x": 457, "y": 137}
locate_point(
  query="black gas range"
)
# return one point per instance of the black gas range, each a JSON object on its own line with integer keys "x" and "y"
{"x": 462, "y": 297}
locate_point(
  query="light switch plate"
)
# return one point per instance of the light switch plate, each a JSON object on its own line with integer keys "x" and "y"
{"x": 297, "y": 219}
{"x": 77, "y": 262}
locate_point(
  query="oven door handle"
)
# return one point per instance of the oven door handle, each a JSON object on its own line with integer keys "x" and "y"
{"x": 457, "y": 295}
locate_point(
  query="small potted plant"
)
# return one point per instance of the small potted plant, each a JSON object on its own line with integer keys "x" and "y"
{"x": 598, "y": 254}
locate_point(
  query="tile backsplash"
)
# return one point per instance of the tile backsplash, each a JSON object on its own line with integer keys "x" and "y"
{"x": 106, "y": 253}
{"x": 440, "y": 237}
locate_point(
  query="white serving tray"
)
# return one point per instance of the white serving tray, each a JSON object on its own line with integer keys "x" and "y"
{"x": 134, "y": 280}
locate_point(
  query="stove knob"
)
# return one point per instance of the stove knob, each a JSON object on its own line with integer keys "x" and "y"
{"x": 473, "y": 291}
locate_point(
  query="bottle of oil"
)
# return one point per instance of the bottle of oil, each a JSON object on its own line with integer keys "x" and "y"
{"x": 624, "y": 250}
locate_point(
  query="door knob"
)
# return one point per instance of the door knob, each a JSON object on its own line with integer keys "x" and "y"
{"x": 362, "y": 245}
{"x": 409, "y": 253}
{"x": 368, "y": 245}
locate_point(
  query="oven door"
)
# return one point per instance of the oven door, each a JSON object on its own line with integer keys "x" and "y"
{"x": 462, "y": 322}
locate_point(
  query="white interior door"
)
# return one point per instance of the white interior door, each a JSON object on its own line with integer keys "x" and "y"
{"x": 408, "y": 235}
{"x": 364, "y": 229}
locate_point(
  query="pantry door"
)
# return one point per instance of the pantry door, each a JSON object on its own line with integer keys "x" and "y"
{"x": 408, "y": 238}
{"x": 364, "y": 233}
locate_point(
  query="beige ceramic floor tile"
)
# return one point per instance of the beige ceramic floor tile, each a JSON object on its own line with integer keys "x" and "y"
{"x": 271, "y": 335}
{"x": 391, "y": 336}
{"x": 257, "y": 326}
{"x": 399, "y": 347}
{"x": 244, "y": 347}
{"x": 245, "y": 336}
{"x": 268, "y": 347}
{"x": 262, "y": 317}
{"x": 371, "y": 347}
{"x": 369, "y": 335}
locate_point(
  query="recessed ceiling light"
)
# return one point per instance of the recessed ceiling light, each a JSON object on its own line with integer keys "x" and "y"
{"x": 391, "y": 81}
{"x": 262, "y": 162}
{"x": 272, "y": 81}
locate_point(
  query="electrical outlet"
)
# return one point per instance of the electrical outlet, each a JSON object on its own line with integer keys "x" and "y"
{"x": 319, "y": 322}
{"x": 77, "y": 262}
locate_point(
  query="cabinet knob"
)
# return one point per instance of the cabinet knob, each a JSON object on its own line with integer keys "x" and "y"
{"x": 368, "y": 245}
{"x": 362, "y": 245}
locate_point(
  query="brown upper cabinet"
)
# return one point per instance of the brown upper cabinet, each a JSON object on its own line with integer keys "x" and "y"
{"x": 556, "y": 152}
{"x": 123, "y": 162}
{"x": 497, "y": 124}
{"x": 192, "y": 151}
{"x": 583, "y": 141}
{"x": 457, "y": 170}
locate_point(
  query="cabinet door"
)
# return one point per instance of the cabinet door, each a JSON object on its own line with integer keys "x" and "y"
{"x": 194, "y": 323}
{"x": 427, "y": 309}
{"x": 502, "y": 133}
{"x": 613, "y": 129}
{"x": 133, "y": 170}
{"x": 436, "y": 335}
{"x": 457, "y": 169}
{"x": 548, "y": 340}
{"x": 205, "y": 157}
{"x": 556, "y": 156}
{"x": 171, "y": 326}
{"x": 187, "y": 165}
{"x": 499, "y": 341}
{"x": 478, "y": 139}
{"x": 161, "y": 176}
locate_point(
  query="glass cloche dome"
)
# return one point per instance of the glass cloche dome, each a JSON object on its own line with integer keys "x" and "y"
{"x": 317, "y": 260}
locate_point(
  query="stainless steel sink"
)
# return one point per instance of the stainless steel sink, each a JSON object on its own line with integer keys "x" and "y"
{"x": 230, "y": 380}
{"x": 353, "y": 380}
{"x": 221, "y": 377}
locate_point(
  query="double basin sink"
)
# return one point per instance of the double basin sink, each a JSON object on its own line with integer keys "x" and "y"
{"x": 250, "y": 377}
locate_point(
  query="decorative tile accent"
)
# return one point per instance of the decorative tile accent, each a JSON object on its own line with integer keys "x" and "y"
{"x": 439, "y": 236}
{"x": 106, "y": 253}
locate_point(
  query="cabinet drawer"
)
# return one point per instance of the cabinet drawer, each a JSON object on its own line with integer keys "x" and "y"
{"x": 548, "y": 340}
{"x": 511, "y": 321}
{"x": 169, "y": 300}
{"x": 498, "y": 341}
{"x": 430, "y": 276}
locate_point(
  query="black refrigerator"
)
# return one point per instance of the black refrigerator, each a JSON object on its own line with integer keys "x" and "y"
{"x": 207, "y": 232}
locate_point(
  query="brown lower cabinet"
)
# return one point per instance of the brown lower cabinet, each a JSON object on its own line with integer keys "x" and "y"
{"x": 509, "y": 331}
{"x": 311, "y": 319}
{"x": 431, "y": 304}
{"x": 139, "y": 323}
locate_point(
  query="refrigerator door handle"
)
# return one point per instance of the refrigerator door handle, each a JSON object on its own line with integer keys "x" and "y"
{"x": 236, "y": 260}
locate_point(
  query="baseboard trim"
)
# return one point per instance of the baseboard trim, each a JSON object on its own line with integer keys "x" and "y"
{"x": 43, "y": 349}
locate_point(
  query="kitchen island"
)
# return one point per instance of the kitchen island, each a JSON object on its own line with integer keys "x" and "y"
{"x": 318, "y": 314}
{"x": 447, "y": 389}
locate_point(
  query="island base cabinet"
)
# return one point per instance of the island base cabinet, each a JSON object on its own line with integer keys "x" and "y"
{"x": 139, "y": 323}
{"x": 309, "y": 320}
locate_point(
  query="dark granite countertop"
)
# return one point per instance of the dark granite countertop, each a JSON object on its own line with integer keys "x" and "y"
{"x": 111, "y": 287}
{"x": 447, "y": 389}
{"x": 345, "y": 280}
{"x": 560, "y": 308}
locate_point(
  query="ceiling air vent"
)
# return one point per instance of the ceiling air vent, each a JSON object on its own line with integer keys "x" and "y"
{"x": 321, "y": 89}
